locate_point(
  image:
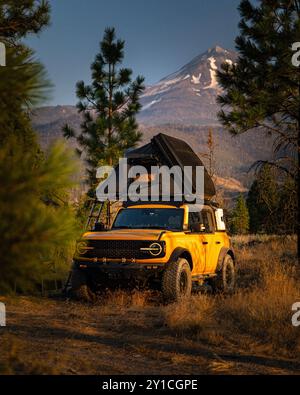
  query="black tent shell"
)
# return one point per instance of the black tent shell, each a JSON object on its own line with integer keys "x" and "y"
{"x": 164, "y": 150}
{"x": 171, "y": 151}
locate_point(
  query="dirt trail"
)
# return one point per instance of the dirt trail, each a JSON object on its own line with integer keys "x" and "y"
{"x": 45, "y": 336}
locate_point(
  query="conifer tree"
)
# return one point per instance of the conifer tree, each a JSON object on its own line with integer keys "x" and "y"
{"x": 263, "y": 201}
{"x": 36, "y": 223}
{"x": 109, "y": 106}
{"x": 23, "y": 81}
{"x": 272, "y": 206}
{"x": 19, "y": 18}
{"x": 210, "y": 155}
{"x": 262, "y": 87}
{"x": 239, "y": 219}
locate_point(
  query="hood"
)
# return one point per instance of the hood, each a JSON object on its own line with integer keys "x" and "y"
{"x": 125, "y": 234}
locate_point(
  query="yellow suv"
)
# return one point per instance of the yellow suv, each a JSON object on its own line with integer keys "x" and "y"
{"x": 169, "y": 247}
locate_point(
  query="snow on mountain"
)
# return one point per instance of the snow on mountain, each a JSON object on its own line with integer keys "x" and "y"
{"x": 196, "y": 80}
{"x": 151, "y": 104}
{"x": 213, "y": 77}
{"x": 189, "y": 94}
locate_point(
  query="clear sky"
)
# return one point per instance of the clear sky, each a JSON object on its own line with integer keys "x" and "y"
{"x": 160, "y": 35}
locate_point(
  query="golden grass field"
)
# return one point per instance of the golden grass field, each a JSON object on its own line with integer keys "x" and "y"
{"x": 249, "y": 332}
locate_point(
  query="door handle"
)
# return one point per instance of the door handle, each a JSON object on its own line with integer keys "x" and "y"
{"x": 204, "y": 242}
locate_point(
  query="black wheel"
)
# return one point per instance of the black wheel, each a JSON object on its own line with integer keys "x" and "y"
{"x": 226, "y": 278}
{"x": 79, "y": 287}
{"x": 177, "y": 281}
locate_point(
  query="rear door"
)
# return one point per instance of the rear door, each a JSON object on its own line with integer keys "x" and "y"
{"x": 210, "y": 239}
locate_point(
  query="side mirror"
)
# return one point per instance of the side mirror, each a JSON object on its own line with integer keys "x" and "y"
{"x": 197, "y": 228}
{"x": 99, "y": 227}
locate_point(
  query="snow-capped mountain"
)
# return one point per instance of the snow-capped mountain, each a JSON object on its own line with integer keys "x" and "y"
{"x": 189, "y": 95}
{"x": 182, "y": 105}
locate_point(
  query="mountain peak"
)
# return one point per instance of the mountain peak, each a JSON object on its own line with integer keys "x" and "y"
{"x": 189, "y": 94}
{"x": 217, "y": 49}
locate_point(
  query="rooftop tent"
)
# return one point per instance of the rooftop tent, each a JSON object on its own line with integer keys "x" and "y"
{"x": 164, "y": 150}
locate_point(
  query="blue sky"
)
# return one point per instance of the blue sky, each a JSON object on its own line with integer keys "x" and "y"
{"x": 160, "y": 35}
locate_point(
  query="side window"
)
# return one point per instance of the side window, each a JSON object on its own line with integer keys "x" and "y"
{"x": 208, "y": 221}
{"x": 194, "y": 218}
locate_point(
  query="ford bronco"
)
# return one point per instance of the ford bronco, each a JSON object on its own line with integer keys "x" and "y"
{"x": 163, "y": 246}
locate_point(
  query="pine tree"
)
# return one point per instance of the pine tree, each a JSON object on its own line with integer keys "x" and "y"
{"x": 23, "y": 81}
{"x": 37, "y": 225}
{"x": 263, "y": 202}
{"x": 272, "y": 206}
{"x": 19, "y": 18}
{"x": 288, "y": 206}
{"x": 239, "y": 219}
{"x": 34, "y": 224}
{"x": 262, "y": 88}
{"x": 211, "y": 153}
{"x": 109, "y": 106}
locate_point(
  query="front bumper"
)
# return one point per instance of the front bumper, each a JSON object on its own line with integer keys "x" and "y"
{"x": 119, "y": 270}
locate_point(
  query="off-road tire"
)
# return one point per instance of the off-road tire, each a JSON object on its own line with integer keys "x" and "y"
{"x": 79, "y": 287}
{"x": 177, "y": 281}
{"x": 225, "y": 280}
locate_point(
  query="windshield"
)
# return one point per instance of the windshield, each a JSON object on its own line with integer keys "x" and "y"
{"x": 149, "y": 218}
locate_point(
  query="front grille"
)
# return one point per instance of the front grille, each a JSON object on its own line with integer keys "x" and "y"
{"x": 114, "y": 249}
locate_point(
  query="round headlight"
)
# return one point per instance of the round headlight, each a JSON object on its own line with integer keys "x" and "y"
{"x": 155, "y": 249}
{"x": 81, "y": 247}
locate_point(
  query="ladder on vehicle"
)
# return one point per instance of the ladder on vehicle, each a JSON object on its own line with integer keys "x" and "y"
{"x": 95, "y": 212}
{"x": 93, "y": 218}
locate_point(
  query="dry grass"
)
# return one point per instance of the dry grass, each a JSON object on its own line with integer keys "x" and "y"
{"x": 264, "y": 312}
{"x": 15, "y": 362}
{"x": 125, "y": 299}
{"x": 249, "y": 332}
{"x": 269, "y": 284}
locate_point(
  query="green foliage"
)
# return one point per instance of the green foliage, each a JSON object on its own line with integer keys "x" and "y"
{"x": 32, "y": 231}
{"x": 108, "y": 106}
{"x": 19, "y": 18}
{"x": 262, "y": 202}
{"x": 239, "y": 218}
{"x": 261, "y": 91}
{"x": 262, "y": 88}
{"x": 23, "y": 83}
{"x": 272, "y": 203}
{"x": 37, "y": 226}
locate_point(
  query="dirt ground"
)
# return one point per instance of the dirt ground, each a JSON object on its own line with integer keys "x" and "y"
{"x": 59, "y": 337}
{"x": 137, "y": 334}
